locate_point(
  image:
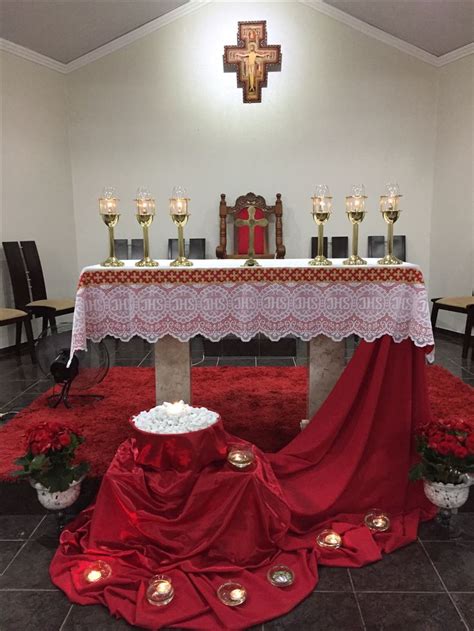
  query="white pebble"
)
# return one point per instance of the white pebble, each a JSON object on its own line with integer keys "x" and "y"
{"x": 174, "y": 418}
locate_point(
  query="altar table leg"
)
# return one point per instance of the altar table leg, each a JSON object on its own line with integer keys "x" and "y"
{"x": 172, "y": 370}
{"x": 325, "y": 365}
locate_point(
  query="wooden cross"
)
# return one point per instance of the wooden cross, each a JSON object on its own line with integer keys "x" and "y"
{"x": 251, "y": 59}
{"x": 252, "y": 223}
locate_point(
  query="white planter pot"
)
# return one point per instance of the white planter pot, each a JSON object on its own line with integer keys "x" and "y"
{"x": 57, "y": 500}
{"x": 447, "y": 495}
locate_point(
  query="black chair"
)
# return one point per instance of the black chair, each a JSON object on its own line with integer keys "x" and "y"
{"x": 29, "y": 289}
{"x": 457, "y": 304}
{"x": 121, "y": 249}
{"x": 339, "y": 247}
{"x": 19, "y": 317}
{"x": 376, "y": 247}
{"x": 137, "y": 249}
{"x": 194, "y": 248}
{"x": 314, "y": 246}
{"x": 197, "y": 249}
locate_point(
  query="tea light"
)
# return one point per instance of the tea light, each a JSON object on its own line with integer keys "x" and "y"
{"x": 232, "y": 594}
{"x": 240, "y": 457}
{"x": 97, "y": 571}
{"x": 329, "y": 539}
{"x": 280, "y": 576}
{"x": 377, "y": 520}
{"x": 160, "y": 590}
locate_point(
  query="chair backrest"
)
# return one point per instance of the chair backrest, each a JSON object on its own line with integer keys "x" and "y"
{"x": 173, "y": 248}
{"x": 121, "y": 248}
{"x": 137, "y": 248}
{"x": 339, "y": 247}
{"x": 17, "y": 271}
{"x": 34, "y": 270}
{"x": 314, "y": 246}
{"x": 376, "y": 246}
{"x": 197, "y": 248}
{"x": 230, "y": 214}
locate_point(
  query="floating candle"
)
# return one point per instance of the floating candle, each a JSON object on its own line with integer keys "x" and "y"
{"x": 240, "y": 457}
{"x": 160, "y": 590}
{"x": 377, "y": 520}
{"x": 232, "y": 594}
{"x": 329, "y": 539}
{"x": 280, "y": 576}
{"x": 97, "y": 571}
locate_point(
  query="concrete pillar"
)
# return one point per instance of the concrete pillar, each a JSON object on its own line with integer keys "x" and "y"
{"x": 326, "y": 361}
{"x": 172, "y": 370}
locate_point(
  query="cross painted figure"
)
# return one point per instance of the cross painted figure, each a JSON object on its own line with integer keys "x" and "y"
{"x": 251, "y": 223}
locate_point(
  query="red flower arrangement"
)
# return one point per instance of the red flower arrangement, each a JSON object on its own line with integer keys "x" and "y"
{"x": 50, "y": 456}
{"x": 446, "y": 449}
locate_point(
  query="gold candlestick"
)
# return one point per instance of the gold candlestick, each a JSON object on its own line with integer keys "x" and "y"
{"x": 391, "y": 212}
{"x": 146, "y": 209}
{"x": 321, "y": 211}
{"x": 180, "y": 215}
{"x": 355, "y": 209}
{"x": 108, "y": 209}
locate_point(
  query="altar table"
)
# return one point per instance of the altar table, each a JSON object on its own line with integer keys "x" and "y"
{"x": 214, "y": 298}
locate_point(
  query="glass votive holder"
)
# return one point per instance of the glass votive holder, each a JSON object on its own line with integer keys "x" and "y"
{"x": 329, "y": 539}
{"x": 97, "y": 571}
{"x": 160, "y": 590}
{"x": 240, "y": 457}
{"x": 232, "y": 594}
{"x": 281, "y": 576}
{"x": 377, "y": 520}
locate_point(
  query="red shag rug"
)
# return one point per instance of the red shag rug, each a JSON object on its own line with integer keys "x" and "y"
{"x": 261, "y": 405}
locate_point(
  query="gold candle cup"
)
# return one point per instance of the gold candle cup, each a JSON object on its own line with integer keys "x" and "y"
{"x": 329, "y": 539}
{"x": 146, "y": 209}
{"x": 160, "y": 591}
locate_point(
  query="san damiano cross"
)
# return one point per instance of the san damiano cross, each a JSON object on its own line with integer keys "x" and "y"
{"x": 251, "y": 59}
{"x": 251, "y": 223}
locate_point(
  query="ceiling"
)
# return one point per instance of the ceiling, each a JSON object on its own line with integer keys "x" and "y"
{"x": 436, "y": 26}
{"x": 65, "y": 30}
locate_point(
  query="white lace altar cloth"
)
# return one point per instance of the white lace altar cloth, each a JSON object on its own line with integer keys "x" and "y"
{"x": 282, "y": 297}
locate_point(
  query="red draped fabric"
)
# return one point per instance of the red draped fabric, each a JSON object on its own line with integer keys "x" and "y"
{"x": 243, "y": 233}
{"x": 174, "y": 504}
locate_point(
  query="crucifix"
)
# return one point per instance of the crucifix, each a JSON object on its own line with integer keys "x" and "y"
{"x": 251, "y": 59}
{"x": 252, "y": 223}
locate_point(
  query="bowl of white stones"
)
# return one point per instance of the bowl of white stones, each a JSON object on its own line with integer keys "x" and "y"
{"x": 177, "y": 435}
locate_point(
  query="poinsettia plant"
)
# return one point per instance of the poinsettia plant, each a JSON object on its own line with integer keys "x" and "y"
{"x": 50, "y": 456}
{"x": 447, "y": 451}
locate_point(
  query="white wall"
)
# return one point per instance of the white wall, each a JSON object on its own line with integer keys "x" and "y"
{"x": 36, "y": 199}
{"x": 452, "y": 235}
{"x": 345, "y": 108}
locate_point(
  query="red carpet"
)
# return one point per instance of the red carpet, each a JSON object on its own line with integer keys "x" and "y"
{"x": 261, "y": 405}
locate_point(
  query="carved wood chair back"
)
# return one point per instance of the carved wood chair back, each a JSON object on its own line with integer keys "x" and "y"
{"x": 240, "y": 211}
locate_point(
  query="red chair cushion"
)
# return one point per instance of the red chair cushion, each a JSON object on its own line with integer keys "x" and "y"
{"x": 243, "y": 233}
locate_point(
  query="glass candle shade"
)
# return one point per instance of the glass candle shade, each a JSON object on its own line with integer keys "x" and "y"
{"x": 179, "y": 201}
{"x": 377, "y": 520}
{"x": 281, "y": 576}
{"x": 232, "y": 594}
{"x": 160, "y": 590}
{"x": 108, "y": 202}
{"x": 240, "y": 457}
{"x": 145, "y": 206}
{"x": 97, "y": 571}
{"x": 329, "y": 539}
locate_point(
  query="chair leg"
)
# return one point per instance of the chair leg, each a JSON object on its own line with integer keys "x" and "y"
{"x": 434, "y": 315}
{"x": 18, "y": 338}
{"x": 52, "y": 321}
{"x": 31, "y": 341}
{"x": 468, "y": 332}
{"x": 44, "y": 326}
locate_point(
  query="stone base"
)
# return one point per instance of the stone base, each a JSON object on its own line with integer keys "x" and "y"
{"x": 172, "y": 370}
{"x": 325, "y": 365}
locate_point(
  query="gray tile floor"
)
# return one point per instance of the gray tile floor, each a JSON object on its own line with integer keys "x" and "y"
{"x": 426, "y": 586}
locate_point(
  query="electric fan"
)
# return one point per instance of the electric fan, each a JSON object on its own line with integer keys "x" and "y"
{"x": 85, "y": 370}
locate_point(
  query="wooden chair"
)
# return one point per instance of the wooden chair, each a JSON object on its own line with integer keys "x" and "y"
{"x": 29, "y": 289}
{"x": 230, "y": 214}
{"x": 19, "y": 318}
{"x": 458, "y": 304}
{"x": 376, "y": 247}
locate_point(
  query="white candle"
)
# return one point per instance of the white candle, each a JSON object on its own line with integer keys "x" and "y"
{"x": 93, "y": 576}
